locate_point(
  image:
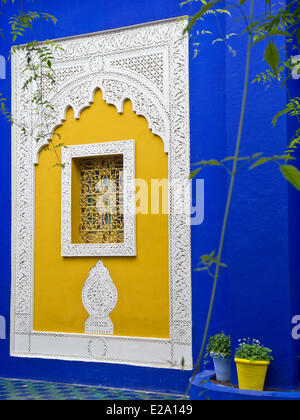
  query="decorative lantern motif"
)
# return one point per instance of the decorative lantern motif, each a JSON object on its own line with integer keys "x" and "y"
{"x": 99, "y": 297}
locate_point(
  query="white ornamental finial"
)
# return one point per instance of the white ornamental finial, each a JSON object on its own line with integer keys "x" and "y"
{"x": 99, "y": 297}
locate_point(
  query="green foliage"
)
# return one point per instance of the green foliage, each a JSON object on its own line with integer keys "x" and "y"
{"x": 3, "y": 109}
{"x": 274, "y": 23}
{"x": 280, "y": 20}
{"x": 40, "y": 77}
{"x": 23, "y": 21}
{"x": 291, "y": 174}
{"x": 58, "y": 164}
{"x": 292, "y": 109}
{"x": 294, "y": 143}
{"x": 4, "y": 2}
{"x": 219, "y": 344}
{"x": 257, "y": 158}
{"x": 208, "y": 263}
{"x": 275, "y": 158}
{"x": 272, "y": 57}
{"x": 268, "y": 76}
{"x": 253, "y": 350}
{"x": 202, "y": 164}
{"x": 225, "y": 38}
{"x": 206, "y": 9}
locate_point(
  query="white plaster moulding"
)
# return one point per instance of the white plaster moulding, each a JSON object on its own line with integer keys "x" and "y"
{"x": 140, "y": 63}
{"x": 160, "y": 353}
{"x": 128, "y": 247}
{"x": 116, "y": 90}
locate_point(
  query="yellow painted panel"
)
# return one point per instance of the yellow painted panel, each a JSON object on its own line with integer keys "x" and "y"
{"x": 143, "y": 281}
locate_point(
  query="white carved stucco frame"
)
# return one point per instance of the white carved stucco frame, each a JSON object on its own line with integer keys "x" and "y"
{"x": 128, "y": 247}
{"x": 120, "y": 63}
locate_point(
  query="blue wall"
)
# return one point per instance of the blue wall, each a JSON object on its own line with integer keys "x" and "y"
{"x": 254, "y": 294}
{"x": 294, "y": 212}
{"x": 258, "y": 253}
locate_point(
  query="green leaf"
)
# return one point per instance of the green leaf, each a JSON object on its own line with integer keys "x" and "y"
{"x": 273, "y": 32}
{"x": 278, "y": 115}
{"x": 204, "y": 9}
{"x": 279, "y": 32}
{"x": 260, "y": 162}
{"x": 274, "y": 158}
{"x": 194, "y": 173}
{"x": 230, "y": 158}
{"x": 212, "y": 162}
{"x": 298, "y": 35}
{"x": 212, "y": 254}
{"x": 242, "y": 2}
{"x": 205, "y": 258}
{"x": 201, "y": 269}
{"x": 256, "y": 155}
{"x": 291, "y": 174}
{"x": 223, "y": 265}
{"x": 272, "y": 57}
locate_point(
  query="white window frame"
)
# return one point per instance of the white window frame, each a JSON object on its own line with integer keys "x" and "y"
{"x": 128, "y": 247}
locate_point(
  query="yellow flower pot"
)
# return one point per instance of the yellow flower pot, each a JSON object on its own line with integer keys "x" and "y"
{"x": 252, "y": 375}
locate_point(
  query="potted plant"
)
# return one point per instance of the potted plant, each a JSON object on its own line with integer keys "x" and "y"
{"x": 219, "y": 349}
{"x": 252, "y": 362}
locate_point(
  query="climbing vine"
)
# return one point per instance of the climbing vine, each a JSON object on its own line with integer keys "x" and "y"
{"x": 40, "y": 76}
{"x": 279, "y": 20}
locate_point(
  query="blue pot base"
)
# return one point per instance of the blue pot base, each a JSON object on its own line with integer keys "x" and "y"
{"x": 203, "y": 389}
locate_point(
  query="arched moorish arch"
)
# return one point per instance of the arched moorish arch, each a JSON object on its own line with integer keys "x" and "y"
{"x": 79, "y": 95}
{"x": 149, "y": 65}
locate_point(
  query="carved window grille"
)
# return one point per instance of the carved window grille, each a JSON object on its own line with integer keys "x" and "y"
{"x": 98, "y": 200}
{"x": 101, "y": 200}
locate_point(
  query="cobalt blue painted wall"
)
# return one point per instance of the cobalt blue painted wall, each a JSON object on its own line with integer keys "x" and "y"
{"x": 260, "y": 286}
{"x": 254, "y": 294}
{"x": 261, "y": 283}
{"x": 294, "y": 212}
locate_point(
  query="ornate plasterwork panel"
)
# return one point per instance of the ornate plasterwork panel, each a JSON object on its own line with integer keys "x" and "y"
{"x": 99, "y": 297}
{"x": 122, "y": 64}
{"x": 128, "y": 247}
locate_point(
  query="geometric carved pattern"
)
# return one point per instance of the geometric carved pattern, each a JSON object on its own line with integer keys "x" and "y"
{"x": 101, "y": 200}
{"x": 149, "y": 66}
{"x": 108, "y": 226}
{"x": 99, "y": 297}
{"x": 84, "y": 64}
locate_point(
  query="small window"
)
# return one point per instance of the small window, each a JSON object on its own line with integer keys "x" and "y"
{"x": 98, "y": 200}
{"x": 101, "y": 200}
